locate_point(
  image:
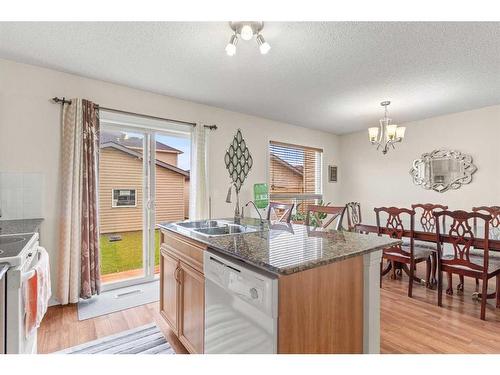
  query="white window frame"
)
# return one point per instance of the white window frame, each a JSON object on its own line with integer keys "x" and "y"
{"x": 113, "y": 205}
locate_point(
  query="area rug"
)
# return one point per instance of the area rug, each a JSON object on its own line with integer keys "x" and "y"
{"x": 119, "y": 299}
{"x": 147, "y": 339}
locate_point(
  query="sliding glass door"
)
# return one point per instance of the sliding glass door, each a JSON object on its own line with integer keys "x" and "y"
{"x": 143, "y": 180}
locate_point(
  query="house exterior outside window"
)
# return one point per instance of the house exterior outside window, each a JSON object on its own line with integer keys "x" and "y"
{"x": 295, "y": 176}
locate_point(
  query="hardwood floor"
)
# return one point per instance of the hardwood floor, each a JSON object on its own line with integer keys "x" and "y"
{"x": 408, "y": 325}
{"x": 61, "y": 328}
{"x": 418, "y": 325}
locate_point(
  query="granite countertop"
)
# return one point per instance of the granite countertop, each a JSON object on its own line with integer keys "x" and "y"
{"x": 286, "y": 249}
{"x": 21, "y": 226}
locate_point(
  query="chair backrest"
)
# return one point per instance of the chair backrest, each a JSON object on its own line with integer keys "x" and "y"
{"x": 282, "y": 211}
{"x": 460, "y": 235}
{"x": 353, "y": 213}
{"x": 394, "y": 227}
{"x": 427, "y": 220}
{"x": 494, "y": 211}
{"x": 318, "y": 216}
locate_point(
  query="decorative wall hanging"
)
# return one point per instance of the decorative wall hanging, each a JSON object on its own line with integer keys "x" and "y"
{"x": 441, "y": 170}
{"x": 332, "y": 173}
{"x": 238, "y": 161}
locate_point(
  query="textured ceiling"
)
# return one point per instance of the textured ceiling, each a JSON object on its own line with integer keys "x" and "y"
{"x": 330, "y": 76}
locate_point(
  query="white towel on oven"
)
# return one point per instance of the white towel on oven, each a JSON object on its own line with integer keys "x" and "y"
{"x": 42, "y": 269}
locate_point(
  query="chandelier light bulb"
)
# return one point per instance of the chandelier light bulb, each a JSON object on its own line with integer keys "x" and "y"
{"x": 246, "y": 32}
{"x": 400, "y": 132}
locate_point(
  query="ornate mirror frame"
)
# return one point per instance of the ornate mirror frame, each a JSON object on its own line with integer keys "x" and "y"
{"x": 442, "y": 170}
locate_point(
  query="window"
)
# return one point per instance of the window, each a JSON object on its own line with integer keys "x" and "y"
{"x": 295, "y": 175}
{"x": 123, "y": 198}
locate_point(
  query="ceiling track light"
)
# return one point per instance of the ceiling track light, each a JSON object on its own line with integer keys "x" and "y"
{"x": 246, "y": 31}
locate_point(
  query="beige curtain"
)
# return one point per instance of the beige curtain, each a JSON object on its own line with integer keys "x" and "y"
{"x": 199, "y": 174}
{"x": 79, "y": 233}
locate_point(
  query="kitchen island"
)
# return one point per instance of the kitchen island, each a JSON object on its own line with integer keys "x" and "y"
{"x": 327, "y": 282}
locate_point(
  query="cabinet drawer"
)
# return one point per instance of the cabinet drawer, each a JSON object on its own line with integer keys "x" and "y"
{"x": 190, "y": 252}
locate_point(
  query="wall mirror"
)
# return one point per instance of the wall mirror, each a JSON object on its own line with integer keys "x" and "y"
{"x": 442, "y": 170}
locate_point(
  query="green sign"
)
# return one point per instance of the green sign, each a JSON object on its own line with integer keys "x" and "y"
{"x": 261, "y": 195}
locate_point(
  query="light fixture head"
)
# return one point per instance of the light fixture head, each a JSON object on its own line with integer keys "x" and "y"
{"x": 373, "y": 134}
{"x": 246, "y": 32}
{"x": 246, "y": 29}
{"x": 264, "y": 46}
{"x": 231, "y": 46}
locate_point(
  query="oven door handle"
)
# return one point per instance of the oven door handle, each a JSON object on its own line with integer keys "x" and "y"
{"x": 28, "y": 275}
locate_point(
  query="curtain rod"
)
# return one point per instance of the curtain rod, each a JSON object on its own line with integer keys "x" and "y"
{"x": 64, "y": 101}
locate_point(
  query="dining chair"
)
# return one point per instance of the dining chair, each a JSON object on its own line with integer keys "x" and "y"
{"x": 427, "y": 220}
{"x": 494, "y": 211}
{"x": 282, "y": 211}
{"x": 353, "y": 213}
{"x": 318, "y": 216}
{"x": 458, "y": 258}
{"x": 406, "y": 255}
{"x": 428, "y": 224}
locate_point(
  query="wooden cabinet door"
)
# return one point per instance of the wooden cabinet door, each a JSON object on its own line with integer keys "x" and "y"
{"x": 169, "y": 289}
{"x": 192, "y": 309}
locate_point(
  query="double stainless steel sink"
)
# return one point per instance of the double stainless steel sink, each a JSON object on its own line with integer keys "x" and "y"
{"x": 214, "y": 228}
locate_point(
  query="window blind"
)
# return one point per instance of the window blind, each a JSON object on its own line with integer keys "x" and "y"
{"x": 294, "y": 173}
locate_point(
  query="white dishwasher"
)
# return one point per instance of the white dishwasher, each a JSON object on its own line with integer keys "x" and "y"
{"x": 241, "y": 307}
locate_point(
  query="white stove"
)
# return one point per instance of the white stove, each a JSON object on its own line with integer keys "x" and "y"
{"x": 13, "y": 247}
{"x": 20, "y": 252}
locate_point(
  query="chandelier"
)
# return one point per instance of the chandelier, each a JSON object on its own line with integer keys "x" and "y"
{"x": 246, "y": 31}
{"x": 386, "y": 134}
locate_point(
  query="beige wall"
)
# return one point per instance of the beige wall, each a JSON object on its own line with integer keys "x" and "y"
{"x": 119, "y": 170}
{"x": 30, "y": 134}
{"x": 374, "y": 179}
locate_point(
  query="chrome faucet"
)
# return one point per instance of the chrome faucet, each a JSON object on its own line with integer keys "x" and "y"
{"x": 237, "y": 215}
{"x": 256, "y": 209}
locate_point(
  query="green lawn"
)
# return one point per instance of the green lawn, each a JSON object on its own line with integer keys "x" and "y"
{"x": 126, "y": 254}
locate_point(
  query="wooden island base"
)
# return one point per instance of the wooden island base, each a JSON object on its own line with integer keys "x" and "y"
{"x": 334, "y": 308}
{"x": 321, "y": 309}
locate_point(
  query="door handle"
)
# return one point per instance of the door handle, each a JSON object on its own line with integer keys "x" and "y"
{"x": 151, "y": 204}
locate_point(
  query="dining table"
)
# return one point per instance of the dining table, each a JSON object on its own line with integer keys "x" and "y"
{"x": 425, "y": 236}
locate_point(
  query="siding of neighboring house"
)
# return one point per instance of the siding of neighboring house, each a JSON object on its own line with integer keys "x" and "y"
{"x": 186, "y": 198}
{"x": 120, "y": 170}
{"x": 285, "y": 180}
{"x": 167, "y": 157}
